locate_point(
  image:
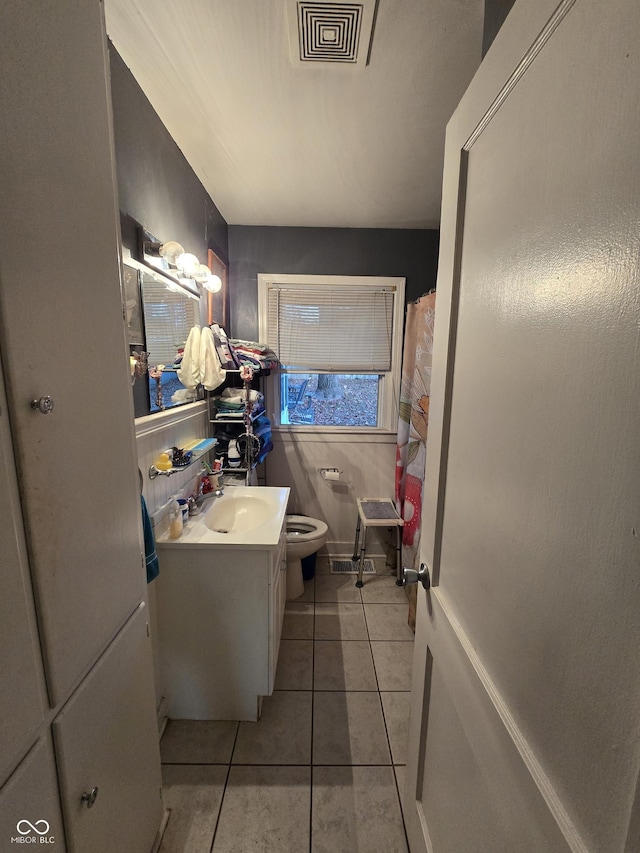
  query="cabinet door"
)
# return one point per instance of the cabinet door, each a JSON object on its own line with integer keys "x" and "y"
{"x": 29, "y": 803}
{"x": 21, "y": 685}
{"x": 106, "y": 737}
{"x": 277, "y": 600}
{"x": 63, "y": 332}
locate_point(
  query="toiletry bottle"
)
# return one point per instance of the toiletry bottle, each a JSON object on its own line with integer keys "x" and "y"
{"x": 233, "y": 454}
{"x": 175, "y": 521}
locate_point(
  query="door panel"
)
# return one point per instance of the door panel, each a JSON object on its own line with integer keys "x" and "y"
{"x": 22, "y": 697}
{"x": 106, "y": 737}
{"x": 31, "y": 794}
{"x": 63, "y": 334}
{"x": 532, "y": 519}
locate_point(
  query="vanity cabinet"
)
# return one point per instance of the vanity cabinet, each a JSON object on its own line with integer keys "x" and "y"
{"x": 220, "y": 613}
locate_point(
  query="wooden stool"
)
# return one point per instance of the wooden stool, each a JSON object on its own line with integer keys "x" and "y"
{"x": 377, "y": 512}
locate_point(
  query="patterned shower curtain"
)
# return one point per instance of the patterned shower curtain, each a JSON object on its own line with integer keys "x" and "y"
{"x": 412, "y": 428}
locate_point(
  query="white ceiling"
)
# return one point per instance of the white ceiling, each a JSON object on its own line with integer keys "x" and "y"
{"x": 322, "y": 145}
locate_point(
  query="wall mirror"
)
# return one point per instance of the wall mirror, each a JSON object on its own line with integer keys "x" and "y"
{"x": 162, "y": 318}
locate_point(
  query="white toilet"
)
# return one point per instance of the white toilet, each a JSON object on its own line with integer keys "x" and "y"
{"x": 305, "y": 536}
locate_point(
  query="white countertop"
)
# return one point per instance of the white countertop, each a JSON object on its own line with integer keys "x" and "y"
{"x": 197, "y": 533}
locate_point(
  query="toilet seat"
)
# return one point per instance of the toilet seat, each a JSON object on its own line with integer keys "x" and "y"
{"x": 301, "y": 528}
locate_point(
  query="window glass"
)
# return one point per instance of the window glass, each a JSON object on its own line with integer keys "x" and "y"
{"x": 329, "y": 399}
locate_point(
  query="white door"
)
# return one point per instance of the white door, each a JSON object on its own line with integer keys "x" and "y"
{"x": 106, "y": 743}
{"x": 525, "y": 726}
{"x": 63, "y": 333}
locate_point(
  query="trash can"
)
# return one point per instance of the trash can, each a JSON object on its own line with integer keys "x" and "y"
{"x": 309, "y": 566}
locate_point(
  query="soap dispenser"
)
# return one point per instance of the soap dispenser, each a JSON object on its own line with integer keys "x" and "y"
{"x": 233, "y": 454}
{"x": 175, "y": 521}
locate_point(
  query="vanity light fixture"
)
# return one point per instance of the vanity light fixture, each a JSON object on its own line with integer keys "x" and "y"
{"x": 213, "y": 283}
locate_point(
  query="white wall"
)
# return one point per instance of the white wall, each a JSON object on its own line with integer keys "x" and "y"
{"x": 367, "y": 462}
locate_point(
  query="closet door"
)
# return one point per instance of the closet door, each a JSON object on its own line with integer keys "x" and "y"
{"x": 106, "y": 740}
{"x": 29, "y": 803}
{"x": 21, "y": 683}
{"x": 63, "y": 332}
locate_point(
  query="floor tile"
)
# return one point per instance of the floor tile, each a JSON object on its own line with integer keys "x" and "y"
{"x": 343, "y": 666}
{"x": 395, "y": 707}
{"x": 194, "y": 794}
{"x": 298, "y": 621}
{"x": 348, "y": 728}
{"x": 282, "y": 735}
{"x": 337, "y": 588}
{"x": 380, "y": 589}
{"x": 401, "y": 778}
{"x": 356, "y": 809}
{"x": 388, "y": 621}
{"x": 265, "y": 809}
{"x": 393, "y": 662}
{"x": 295, "y": 665}
{"x": 309, "y": 591}
{"x": 198, "y": 742}
{"x": 323, "y": 564}
{"x": 340, "y": 622}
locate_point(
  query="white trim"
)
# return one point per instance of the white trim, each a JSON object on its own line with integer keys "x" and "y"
{"x": 149, "y": 424}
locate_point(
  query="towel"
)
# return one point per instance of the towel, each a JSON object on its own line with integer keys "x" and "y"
{"x": 189, "y": 370}
{"x": 211, "y": 374}
{"x": 151, "y": 558}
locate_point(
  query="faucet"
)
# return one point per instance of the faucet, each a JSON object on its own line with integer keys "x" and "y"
{"x": 202, "y": 497}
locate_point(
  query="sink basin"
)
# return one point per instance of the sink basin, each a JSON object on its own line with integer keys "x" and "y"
{"x": 245, "y": 517}
{"x": 238, "y": 513}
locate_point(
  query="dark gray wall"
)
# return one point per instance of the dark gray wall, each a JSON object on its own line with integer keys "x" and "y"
{"x": 156, "y": 185}
{"x": 495, "y": 12}
{"x": 323, "y": 251}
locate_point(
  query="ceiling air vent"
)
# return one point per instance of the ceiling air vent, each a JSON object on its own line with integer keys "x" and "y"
{"x": 329, "y": 31}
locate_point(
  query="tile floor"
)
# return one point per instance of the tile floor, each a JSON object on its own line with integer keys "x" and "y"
{"x": 320, "y": 771}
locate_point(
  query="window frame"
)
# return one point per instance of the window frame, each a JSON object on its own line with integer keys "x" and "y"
{"x": 389, "y": 393}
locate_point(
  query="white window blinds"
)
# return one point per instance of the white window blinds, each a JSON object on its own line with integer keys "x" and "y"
{"x": 168, "y": 318}
{"x": 329, "y": 328}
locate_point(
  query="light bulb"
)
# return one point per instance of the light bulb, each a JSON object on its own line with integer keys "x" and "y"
{"x": 170, "y": 251}
{"x": 202, "y": 274}
{"x": 188, "y": 264}
{"x": 213, "y": 283}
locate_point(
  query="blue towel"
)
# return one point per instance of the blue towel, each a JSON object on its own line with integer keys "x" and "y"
{"x": 151, "y": 558}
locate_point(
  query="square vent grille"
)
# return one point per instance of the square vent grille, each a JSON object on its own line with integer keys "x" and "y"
{"x": 329, "y": 31}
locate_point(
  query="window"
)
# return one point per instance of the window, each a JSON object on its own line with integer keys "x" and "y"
{"x": 339, "y": 343}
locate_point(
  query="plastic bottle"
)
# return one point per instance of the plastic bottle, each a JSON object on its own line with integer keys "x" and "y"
{"x": 233, "y": 454}
{"x": 175, "y": 521}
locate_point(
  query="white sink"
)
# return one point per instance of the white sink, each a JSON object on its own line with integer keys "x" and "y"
{"x": 238, "y": 513}
{"x": 247, "y": 517}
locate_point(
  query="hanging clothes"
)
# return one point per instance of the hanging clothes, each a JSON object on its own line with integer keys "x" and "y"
{"x": 411, "y": 451}
{"x": 189, "y": 371}
{"x": 211, "y": 373}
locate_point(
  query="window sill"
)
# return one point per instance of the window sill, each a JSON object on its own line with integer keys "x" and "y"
{"x": 376, "y": 435}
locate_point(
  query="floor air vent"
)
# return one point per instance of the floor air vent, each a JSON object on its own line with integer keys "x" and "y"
{"x": 350, "y": 567}
{"x": 330, "y": 31}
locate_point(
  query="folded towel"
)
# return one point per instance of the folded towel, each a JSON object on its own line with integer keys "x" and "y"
{"x": 151, "y": 558}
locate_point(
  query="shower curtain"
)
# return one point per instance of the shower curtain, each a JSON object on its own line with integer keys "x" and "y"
{"x": 412, "y": 428}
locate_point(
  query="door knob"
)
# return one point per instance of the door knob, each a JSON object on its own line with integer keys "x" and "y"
{"x": 89, "y": 797}
{"x": 422, "y": 575}
{"x": 43, "y": 405}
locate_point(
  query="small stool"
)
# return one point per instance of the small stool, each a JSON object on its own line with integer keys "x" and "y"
{"x": 377, "y": 512}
